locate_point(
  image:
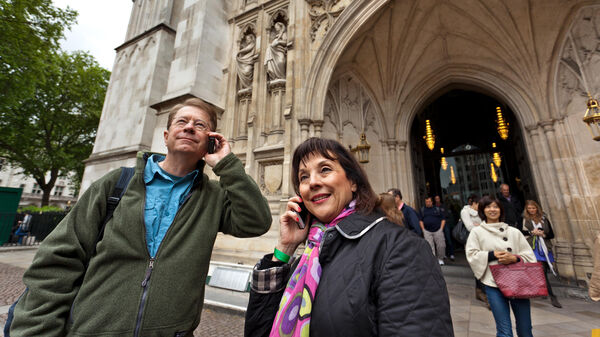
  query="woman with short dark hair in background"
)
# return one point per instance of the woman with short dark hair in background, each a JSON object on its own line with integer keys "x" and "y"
{"x": 538, "y": 231}
{"x": 359, "y": 274}
{"x": 493, "y": 242}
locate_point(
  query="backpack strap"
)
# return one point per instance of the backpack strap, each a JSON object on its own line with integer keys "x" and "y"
{"x": 113, "y": 200}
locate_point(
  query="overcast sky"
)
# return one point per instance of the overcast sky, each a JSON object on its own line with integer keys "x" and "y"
{"x": 101, "y": 27}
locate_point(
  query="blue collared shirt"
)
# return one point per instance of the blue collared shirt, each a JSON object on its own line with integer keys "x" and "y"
{"x": 165, "y": 193}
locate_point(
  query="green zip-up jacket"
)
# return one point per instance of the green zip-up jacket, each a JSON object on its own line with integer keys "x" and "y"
{"x": 123, "y": 292}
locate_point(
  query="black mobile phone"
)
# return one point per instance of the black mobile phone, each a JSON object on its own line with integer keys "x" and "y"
{"x": 302, "y": 216}
{"x": 211, "y": 144}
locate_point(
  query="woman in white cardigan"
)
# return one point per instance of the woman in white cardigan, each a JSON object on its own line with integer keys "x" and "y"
{"x": 493, "y": 242}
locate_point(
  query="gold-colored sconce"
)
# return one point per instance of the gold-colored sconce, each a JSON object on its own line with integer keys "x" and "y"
{"x": 452, "y": 176}
{"x": 362, "y": 148}
{"x": 429, "y": 136}
{"x": 502, "y": 124}
{"x": 496, "y": 156}
{"x": 592, "y": 117}
{"x": 493, "y": 173}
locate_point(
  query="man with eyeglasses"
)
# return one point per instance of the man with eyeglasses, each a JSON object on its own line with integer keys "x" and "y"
{"x": 148, "y": 274}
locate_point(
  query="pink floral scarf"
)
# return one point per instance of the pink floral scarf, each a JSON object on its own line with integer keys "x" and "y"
{"x": 293, "y": 316}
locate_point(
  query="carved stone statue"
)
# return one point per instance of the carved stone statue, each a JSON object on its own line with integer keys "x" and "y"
{"x": 245, "y": 61}
{"x": 275, "y": 58}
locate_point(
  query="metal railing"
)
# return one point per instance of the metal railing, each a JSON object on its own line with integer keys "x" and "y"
{"x": 39, "y": 227}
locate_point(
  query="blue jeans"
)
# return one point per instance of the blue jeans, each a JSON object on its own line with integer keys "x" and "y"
{"x": 501, "y": 311}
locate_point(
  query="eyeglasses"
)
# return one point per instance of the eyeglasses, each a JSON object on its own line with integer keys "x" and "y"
{"x": 199, "y": 124}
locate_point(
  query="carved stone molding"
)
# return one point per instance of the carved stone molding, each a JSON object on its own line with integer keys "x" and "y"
{"x": 271, "y": 177}
{"x": 276, "y": 84}
{"x": 349, "y": 105}
{"x": 547, "y": 125}
{"x": 323, "y": 14}
{"x": 580, "y": 60}
{"x": 244, "y": 93}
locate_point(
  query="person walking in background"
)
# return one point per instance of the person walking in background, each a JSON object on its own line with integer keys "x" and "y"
{"x": 388, "y": 206}
{"x": 23, "y": 228}
{"x": 432, "y": 222}
{"x": 411, "y": 218}
{"x": 470, "y": 218}
{"x": 359, "y": 275}
{"x": 493, "y": 242}
{"x": 447, "y": 228}
{"x": 538, "y": 231}
{"x": 512, "y": 207}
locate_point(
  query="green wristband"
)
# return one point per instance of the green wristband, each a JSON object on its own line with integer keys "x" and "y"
{"x": 281, "y": 256}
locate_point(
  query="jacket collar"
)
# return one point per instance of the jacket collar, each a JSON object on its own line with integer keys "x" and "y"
{"x": 356, "y": 225}
{"x": 495, "y": 228}
{"x": 142, "y": 158}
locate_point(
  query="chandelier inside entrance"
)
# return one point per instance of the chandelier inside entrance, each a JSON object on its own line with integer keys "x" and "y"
{"x": 502, "y": 125}
{"x": 443, "y": 162}
{"x": 429, "y": 136}
{"x": 493, "y": 173}
{"x": 496, "y": 156}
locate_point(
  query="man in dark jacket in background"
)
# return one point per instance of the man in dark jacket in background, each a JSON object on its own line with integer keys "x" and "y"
{"x": 512, "y": 207}
{"x": 411, "y": 218}
{"x": 148, "y": 273}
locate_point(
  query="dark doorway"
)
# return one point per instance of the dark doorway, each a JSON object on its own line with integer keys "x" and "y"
{"x": 464, "y": 124}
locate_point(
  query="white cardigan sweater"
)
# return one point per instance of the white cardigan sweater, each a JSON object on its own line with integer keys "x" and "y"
{"x": 489, "y": 237}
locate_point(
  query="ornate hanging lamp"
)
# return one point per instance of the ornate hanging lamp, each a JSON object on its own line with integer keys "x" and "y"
{"x": 502, "y": 124}
{"x": 429, "y": 136}
{"x": 452, "y": 176}
{"x": 444, "y": 163}
{"x": 496, "y": 156}
{"x": 592, "y": 117}
{"x": 493, "y": 173}
{"x": 362, "y": 148}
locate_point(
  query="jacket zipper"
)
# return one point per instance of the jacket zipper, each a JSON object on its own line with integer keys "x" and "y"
{"x": 148, "y": 274}
{"x": 145, "y": 286}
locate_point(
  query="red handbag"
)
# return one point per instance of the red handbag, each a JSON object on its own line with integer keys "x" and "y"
{"x": 520, "y": 280}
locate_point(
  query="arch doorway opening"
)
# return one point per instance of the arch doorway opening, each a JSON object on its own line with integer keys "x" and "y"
{"x": 476, "y": 158}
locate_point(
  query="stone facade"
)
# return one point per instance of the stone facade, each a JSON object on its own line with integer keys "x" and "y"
{"x": 286, "y": 70}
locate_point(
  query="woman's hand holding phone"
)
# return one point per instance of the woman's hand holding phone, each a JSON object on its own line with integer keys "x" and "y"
{"x": 290, "y": 233}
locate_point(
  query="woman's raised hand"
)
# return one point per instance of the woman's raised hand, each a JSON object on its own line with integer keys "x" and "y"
{"x": 290, "y": 235}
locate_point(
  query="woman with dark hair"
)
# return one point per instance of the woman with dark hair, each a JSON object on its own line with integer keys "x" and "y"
{"x": 538, "y": 231}
{"x": 493, "y": 242}
{"x": 359, "y": 273}
{"x": 387, "y": 203}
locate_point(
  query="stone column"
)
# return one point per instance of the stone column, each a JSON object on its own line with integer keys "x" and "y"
{"x": 405, "y": 175}
{"x": 318, "y": 124}
{"x": 552, "y": 202}
{"x": 241, "y": 125}
{"x": 393, "y": 175}
{"x": 304, "y": 128}
{"x": 277, "y": 99}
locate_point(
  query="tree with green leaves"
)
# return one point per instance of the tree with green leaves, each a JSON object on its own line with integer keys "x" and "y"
{"x": 49, "y": 134}
{"x": 30, "y": 31}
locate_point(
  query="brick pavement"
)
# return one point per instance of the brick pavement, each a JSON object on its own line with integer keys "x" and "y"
{"x": 215, "y": 321}
{"x": 469, "y": 316}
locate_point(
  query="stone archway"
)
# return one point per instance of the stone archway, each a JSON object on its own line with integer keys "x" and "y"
{"x": 406, "y": 51}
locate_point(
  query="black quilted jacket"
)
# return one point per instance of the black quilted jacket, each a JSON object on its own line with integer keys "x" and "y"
{"x": 376, "y": 281}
